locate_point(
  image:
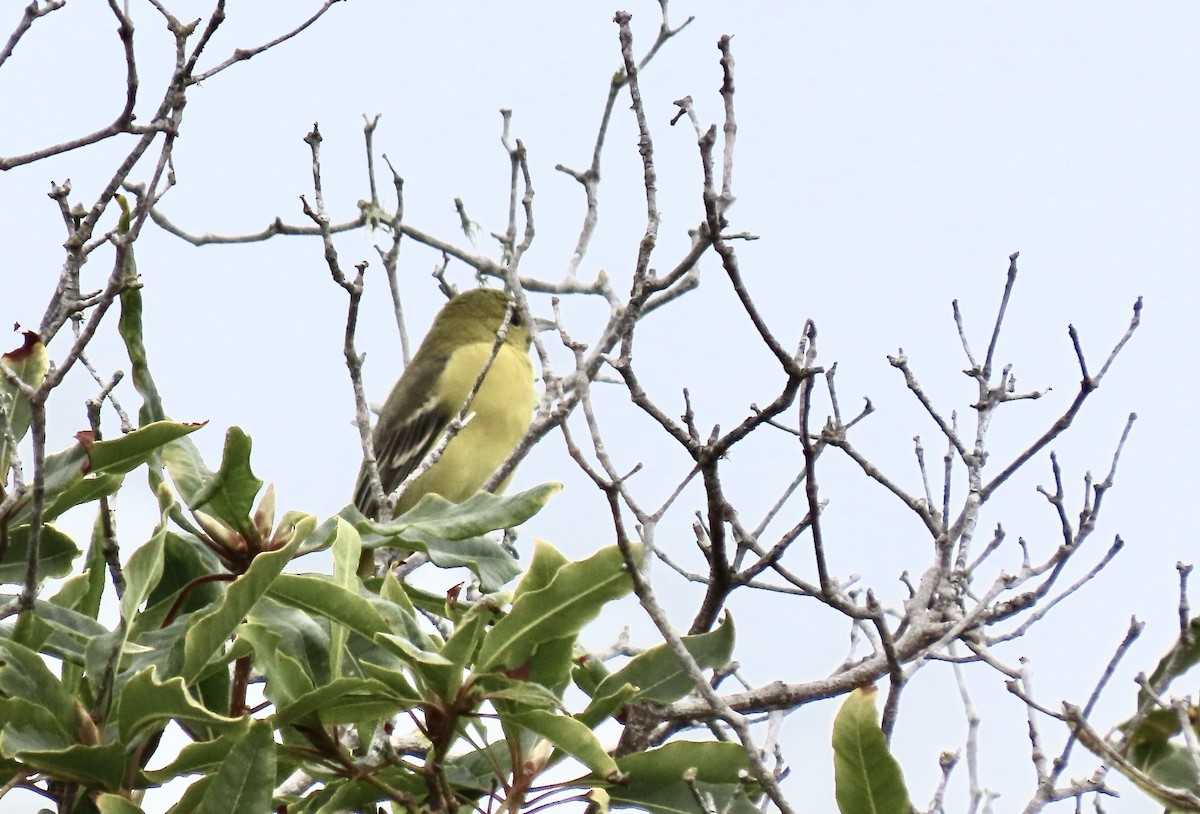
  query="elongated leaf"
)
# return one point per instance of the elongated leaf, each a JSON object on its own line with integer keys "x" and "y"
{"x": 70, "y": 630}
{"x": 655, "y": 780}
{"x": 30, "y": 363}
{"x": 658, "y": 673}
{"x": 679, "y": 798}
{"x": 528, "y": 693}
{"x": 64, "y": 471}
{"x": 57, "y": 554}
{"x": 192, "y": 799}
{"x": 102, "y": 766}
{"x": 81, "y": 491}
{"x": 573, "y": 597}
{"x": 246, "y": 778}
{"x": 202, "y": 757}
{"x": 129, "y": 326}
{"x": 588, "y": 672}
{"x": 346, "y": 700}
{"x": 716, "y": 762}
{"x": 130, "y": 451}
{"x": 27, "y": 725}
{"x": 485, "y": 557}
{"x": 145, "y": 566}
{"x": 230, "y": 493}
{"x": 116, "y": 804}
{"x": 102, "y": 462}
{"x": 475, "y": 771}
{"x": 451, "y": 533}
{"x": 23, "y": 675}
{"x": 868, "y": 780}
{"x": 84, "y": 592}
{"x": 478, "y": 514}
{"x": 286, "y": 675}
{"x": 545, "y": 564}
{"x": 551, "y": 662}
{"x": 459, "y": 651}
{"x": 411, "y": 654}
{"x": 187, "y": 469}
{"x": 185, "y": 559}
{"x": 319, "y": 596}
{"x": 145, "y": 703}
{"x": 208, "y": 632}
{"x": 393, "y": 678}
{"x": 1150, "y": 742}
{"x": 567, "y": 734}
{"x": 347, "y": 546}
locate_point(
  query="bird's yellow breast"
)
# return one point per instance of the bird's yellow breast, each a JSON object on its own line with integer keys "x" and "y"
{"x": 503, "y": 409}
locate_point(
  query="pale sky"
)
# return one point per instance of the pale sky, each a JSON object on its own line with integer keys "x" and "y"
{"x": 890, "y": 157}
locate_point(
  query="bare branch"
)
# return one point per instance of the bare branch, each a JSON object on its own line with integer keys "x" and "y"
{"x": 243, "y": 54}
{"x": 32, "y": 12}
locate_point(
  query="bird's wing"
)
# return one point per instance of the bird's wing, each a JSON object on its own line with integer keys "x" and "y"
{"x": 400, "y": 449}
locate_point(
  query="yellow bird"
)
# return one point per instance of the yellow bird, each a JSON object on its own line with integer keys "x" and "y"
{"x": 432, "y": 391}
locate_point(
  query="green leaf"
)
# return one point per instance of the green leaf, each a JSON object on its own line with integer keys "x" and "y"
{"x": 573, "y": 597}
{"x": 551, "y": 662}
{"x": 69, "y": 631}
{"x": 498, "y": 687}
{"x": 459, "y": 650}
{"x": 244, "y": 783}
{"x": 1150, "y": 741}
{"x": 102, "y": 766}
{"x": 451, "y": 533}
{"x": 319, "y": 596}
{"x": 201, "y": 757}
{"x": 192, "y": 799}
{"x": 208, "y": 632}
{"x": 129, "y": 326}
{"x": 147, "y": 703}
{"x": 567, "y": 734}
{"x": 867, "y": 779}
{"x": 411, "y": 654}
{"x": 130, "y": 451}
{"x": 57, "y": 554}
{"x": 347, "y": 546}
{"x": 474, "y": 772}
{"x": 478, "y": 514}
{"x": 588, "y": 672}
{"x": 187, "y": 469}
{"x": 602, "y": 707}
{"x": 302, "y": 636}
{"x": 230, "y": 493}
{"x": 340, "y": 795}
{"x": 38, "y": 738}
{"x": 23, "y": 675}
{"x": 84, "y": 592}
{"x": 81, "y": 491}
{"x": 145, "y": 566}
{"x": 486, "y": 558}
{"x": 27, "y": 725}
{"x": 393, "y": 678}
{"x": 185, "y": 559}
{"x": 103, "y": 463}
{"x": 287, "y": 678}
{"x": 30, "y": 363}
{"x": 346, "y": 700}
{"x": 658, "y": 780}
{"x": 658, "y": 673}
{"x": 63, "y": 471}
{"x": 116, "y": 804}
{"x": 547, "y": 560}
{"x": 716, "y": 762}
{"x": 1175, "y": 767}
